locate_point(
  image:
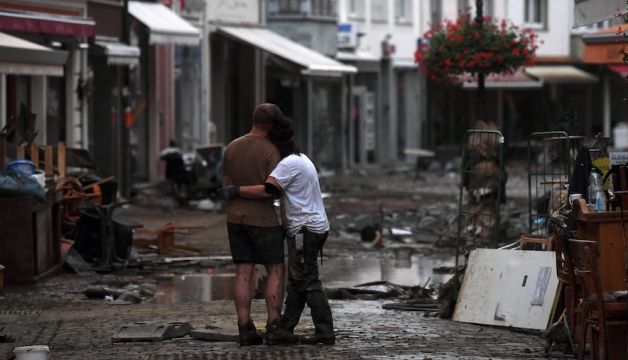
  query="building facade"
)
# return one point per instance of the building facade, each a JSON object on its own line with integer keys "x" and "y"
{"x": 387, "y": 96}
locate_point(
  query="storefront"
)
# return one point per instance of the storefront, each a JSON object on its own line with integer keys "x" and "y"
{"x": 308, "y": 86}
{"x": 155, "y": 30}
{"x": 47, "y": 83}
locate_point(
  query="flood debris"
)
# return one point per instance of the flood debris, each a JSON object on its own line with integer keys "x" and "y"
{"x": 122, "y": 295}
{"x": 5, "y": 336}
{"x": 140, "y": 332}
{"x": 213, "y": 335}
{"x": 379, "y": 290}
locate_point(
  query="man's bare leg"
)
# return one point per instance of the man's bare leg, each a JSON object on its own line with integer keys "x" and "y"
{"x": 242, "y": 291}
{"x": 274, "y": 291}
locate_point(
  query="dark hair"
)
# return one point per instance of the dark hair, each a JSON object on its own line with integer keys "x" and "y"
{"x": 265, "y": 115}
{"x": 282, "y": 135}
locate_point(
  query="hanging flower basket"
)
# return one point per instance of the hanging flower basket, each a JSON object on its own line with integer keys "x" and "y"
{"x": 467, "y": 47}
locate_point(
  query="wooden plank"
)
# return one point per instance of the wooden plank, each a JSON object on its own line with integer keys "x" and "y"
{"x": 49, "y": 162}
{"x": 21, "y": 152}
{"x": 3, "y": 150}
{"x": 34, "y": 150}
{"x": 61, "y": 159}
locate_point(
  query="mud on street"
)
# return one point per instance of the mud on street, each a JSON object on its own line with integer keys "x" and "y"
{"x": 76, "y": 315}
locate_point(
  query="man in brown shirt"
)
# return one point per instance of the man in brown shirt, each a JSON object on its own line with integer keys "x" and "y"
{"x": 255, "y": 236}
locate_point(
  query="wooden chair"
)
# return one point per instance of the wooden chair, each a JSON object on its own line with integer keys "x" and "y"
{"x": 602, "y": 310}
{"x": 571, "y": 287}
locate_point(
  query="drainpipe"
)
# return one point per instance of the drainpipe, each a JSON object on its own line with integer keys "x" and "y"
{"x": 607, "y": 106}
{"x": 205, "y": 128}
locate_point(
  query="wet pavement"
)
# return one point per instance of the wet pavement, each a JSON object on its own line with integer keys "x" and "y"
{"x": 57, "y": 313}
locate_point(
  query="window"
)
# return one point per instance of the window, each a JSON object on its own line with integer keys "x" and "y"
{"x": 489, "y": 8}
{"x": 289, "y": 6}
{"x": 403, "y": 11}
{"x": 379, "y": 11}
{"x": 436, "y": 12}
{"x": 323, "y": 7}
{"x": 536, "y": 13}
{"x": 356, "y": 9}
{"x": 463, "y": 5}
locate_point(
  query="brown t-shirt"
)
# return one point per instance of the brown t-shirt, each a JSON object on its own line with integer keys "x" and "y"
{"x": 249, "y": 160}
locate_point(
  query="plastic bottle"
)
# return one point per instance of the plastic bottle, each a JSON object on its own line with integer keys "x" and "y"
{"x": 597, "y": 198}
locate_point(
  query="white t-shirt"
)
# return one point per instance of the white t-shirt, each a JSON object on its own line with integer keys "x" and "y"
{"x": 302, "y": 200}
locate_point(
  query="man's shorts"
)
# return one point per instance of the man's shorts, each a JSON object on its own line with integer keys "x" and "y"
{"x": 256, "y": 244}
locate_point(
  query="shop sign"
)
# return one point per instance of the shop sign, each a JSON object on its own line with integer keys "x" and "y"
{"x": 347, "y": 36}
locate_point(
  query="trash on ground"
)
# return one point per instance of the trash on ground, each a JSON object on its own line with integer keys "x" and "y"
{"x": 213, "y": 335}
{"x": 33, "y": 352}
{"x": 150, "y": 332}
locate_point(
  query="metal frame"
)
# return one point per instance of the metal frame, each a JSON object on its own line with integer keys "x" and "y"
{"x": 482, "y": 175}
{"x": 552, "y": 170}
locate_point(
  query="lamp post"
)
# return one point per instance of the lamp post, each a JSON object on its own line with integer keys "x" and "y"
{"x": 479, "y": 20}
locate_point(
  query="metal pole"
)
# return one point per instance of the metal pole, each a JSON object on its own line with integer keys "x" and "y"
{"x": 479, "y": 20}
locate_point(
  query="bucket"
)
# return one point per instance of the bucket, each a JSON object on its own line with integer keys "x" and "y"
{"x": 40, "y": 177}
{"x": 23, "y": 166}
{"x": 620, "y": 136}
{"x": 34, "y": 352}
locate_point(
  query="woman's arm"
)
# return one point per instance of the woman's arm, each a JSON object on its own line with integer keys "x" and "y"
{"x": 267, "y": 190}
{"x": 254, "y": 192}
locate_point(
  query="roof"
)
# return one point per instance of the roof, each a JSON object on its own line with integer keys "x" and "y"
{"x": 515, "y": 81}
{"x": 312, "y": 62}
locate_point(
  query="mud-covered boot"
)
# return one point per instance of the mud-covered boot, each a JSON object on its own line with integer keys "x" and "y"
{"x": 323, "y": 321}
{"x": 276, "y": 335}
{"x": 248, "y": 334}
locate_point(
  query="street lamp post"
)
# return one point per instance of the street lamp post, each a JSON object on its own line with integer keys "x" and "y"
{"x": 479, "y": 20}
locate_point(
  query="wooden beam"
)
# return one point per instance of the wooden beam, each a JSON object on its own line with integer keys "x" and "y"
{"x": 61, "y": 159}
{"x": 34, "y": 150}
{"x": 21, "y": 152}
{"x": 49, "y": 162}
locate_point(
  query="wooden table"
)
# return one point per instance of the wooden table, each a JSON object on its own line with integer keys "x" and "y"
{"x": 606, "y": 229}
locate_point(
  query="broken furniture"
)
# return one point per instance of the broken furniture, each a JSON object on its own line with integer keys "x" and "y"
{"x": 30, "y": 245}
{"x": 546, "y": 241}
{"x": 164, "y": 238}
{"x": 606, "y": 312}
{"x": 150, "y": 332}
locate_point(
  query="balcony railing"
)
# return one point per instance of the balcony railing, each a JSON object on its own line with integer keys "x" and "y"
{"x": 307, "y": 8}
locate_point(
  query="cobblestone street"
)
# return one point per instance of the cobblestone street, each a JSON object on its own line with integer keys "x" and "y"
{"x": 56, "y": 312}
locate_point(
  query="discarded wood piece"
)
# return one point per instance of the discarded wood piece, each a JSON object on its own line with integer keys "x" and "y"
{"x": 213, "y": 335}
{"x": 48, "y": 161}
{"x": 61, "y": 168}
{"x": 150, "y": 332}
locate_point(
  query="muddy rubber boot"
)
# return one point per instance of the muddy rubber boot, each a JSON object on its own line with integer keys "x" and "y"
{"x": 323, "y": 321}
{"x": 275, "y": 335}
{"x": 248, "y": 334}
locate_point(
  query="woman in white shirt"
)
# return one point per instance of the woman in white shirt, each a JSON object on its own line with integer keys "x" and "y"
{"x": 295, "y": 179}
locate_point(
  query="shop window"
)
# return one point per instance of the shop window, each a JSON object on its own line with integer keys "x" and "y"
{"x": 535, "y": 13}
{"x": 379, "y": 11}
{"x": 403, "y": 11}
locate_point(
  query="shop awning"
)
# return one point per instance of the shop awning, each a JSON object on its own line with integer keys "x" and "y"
{"x": 313, "y": 63}
{"x": 604, "y": 47}
{"x": 404, "y": 63}
{"x": 560, "y": 74}
{"x": 356, "y": 56}
{"x": 165, "y": 26}
{"x": 619, "y": 69}
{"x": 21, "y": 57}
{"x": 46, "y": 23}
{"x": 118, "y": 53}
{"x": 516, "y": 81}
{"x": 588, "y": 12}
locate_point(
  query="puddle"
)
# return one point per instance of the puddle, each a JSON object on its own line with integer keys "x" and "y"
{"x": 405, "y": 269}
